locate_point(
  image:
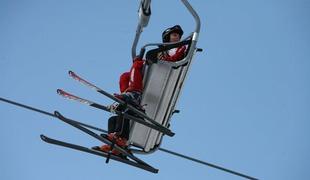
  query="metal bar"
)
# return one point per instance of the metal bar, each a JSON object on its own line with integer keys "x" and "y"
{"x": 146, "y": 4}
{"x": 135, "y": 42}
{"x": 144, "y": 17}
{"x": 194, "y": 14}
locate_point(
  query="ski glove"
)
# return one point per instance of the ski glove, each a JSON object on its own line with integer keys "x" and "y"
{"x": 179, "y": 54}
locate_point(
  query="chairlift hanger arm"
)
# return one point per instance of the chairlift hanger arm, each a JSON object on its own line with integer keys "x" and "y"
{"x": 144, "y": 19}
{"x": 194, "y": 14}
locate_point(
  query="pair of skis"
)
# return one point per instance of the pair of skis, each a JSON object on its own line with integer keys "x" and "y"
{"x": 140, "y": 118}
{"x": 133, "y": 161}
{"x": 126, "y": 157}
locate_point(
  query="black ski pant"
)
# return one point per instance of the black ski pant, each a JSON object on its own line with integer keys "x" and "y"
{"x": 120, "y": 125}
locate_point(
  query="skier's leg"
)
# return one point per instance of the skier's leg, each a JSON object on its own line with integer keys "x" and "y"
{"x": 123, "y": 127}
{"x": 118, "y": 132}
{"x": 124, "y": 81}
{"x": 136, "y": 77}
{"x": 112, "y": 124}
{"x": 132, "y": 94}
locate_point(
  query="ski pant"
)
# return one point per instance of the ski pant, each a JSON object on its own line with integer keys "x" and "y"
{"x": 132, "y": 80}
{"x": 120, "y": 125}
{"x": 129, "y": 82}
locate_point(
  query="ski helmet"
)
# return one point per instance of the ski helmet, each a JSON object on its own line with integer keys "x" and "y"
{"x": 168, "y": 31}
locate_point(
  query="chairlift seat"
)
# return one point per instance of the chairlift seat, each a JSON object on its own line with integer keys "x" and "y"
{"x": 163, "y": 82}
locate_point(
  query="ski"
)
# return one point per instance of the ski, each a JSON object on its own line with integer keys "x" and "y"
{"x": 83, "y": 101}
{"x": 101, "y": 138}
{"x": 160, "y": 128}
{"x": 101, "y": 91}
{"x": 98, "y": 153}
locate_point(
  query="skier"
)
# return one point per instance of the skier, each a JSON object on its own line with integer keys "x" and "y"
{"x": 131, "y": 87}
{"x": 172, "y": 34}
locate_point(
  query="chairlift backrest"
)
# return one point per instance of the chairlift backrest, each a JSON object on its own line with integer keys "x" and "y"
{"x": 162, "y": 85}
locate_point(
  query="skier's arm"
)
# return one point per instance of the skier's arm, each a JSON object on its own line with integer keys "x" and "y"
{"x": 179, "y": 54}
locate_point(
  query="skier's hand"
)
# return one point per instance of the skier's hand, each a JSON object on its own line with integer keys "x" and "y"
{"x": 181, "y": 50}
{"x": 179, "y": 54}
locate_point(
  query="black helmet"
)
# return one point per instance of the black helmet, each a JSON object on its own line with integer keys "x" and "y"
{"x": 167, "y": 32}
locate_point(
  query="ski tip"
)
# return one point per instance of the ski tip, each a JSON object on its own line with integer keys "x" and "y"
{"x": 73, "y": 75}
{"x": 59, "y": 91}
{"x": 71, "y": 72}
{"x": 171, "y": 134}
{"x": 57, "y": 114}
{"x": 44, "y": 138}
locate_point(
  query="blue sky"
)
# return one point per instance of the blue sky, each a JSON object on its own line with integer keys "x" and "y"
{"x": 244, "y": 106}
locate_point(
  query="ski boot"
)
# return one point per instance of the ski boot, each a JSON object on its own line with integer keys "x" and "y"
{"x": 133, "y": 98}
{"x": 121, "y": 142}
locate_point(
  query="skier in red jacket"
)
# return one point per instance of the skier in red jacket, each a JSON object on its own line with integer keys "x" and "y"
{"x": 172, "y": 34}
{"x": 130, "y": 83}
{"x": 131, "y": 87}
